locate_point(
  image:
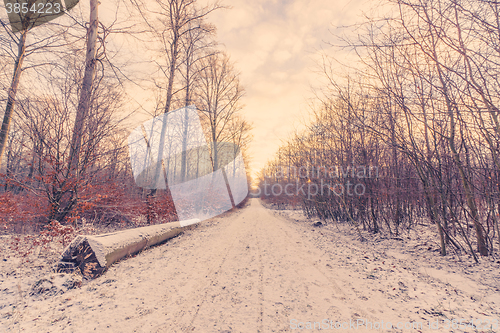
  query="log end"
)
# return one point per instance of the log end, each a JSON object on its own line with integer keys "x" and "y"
{"x": 80, "y": 256}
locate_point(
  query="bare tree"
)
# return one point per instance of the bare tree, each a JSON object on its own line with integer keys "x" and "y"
{"x": 19, "y": 47}
{"x": 85, "y": 90}
{"x": 174, "y": 24}
{"x": 218, "y": 98}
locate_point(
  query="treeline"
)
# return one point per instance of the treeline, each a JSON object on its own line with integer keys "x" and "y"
{"x": 70, "y": 106}
{"x": 422, "y": 109}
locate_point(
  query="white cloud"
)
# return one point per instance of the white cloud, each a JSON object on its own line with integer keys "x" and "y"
{"x": 274, "y": 44}
{"x": 279, "y": 76}
{"x": 282, "y": 55}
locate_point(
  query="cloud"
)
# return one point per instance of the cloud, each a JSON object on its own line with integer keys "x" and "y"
{"x": 275, "y": 44}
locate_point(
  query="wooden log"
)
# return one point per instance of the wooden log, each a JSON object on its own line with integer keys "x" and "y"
{"x": 92, "y": 255}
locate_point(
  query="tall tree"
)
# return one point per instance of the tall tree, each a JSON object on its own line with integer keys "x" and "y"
{"x": 173, "y": 23}
{"x": 219, "y": 97}
{"x": 19, "y": 47}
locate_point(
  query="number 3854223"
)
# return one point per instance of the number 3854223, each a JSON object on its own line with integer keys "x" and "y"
{"x": 36, "y": 8}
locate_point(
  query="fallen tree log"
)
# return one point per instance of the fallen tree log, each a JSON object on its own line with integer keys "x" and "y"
{"x": 92, "y": 255}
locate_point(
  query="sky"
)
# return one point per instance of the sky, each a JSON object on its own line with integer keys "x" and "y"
{"x": 276, "y": 46}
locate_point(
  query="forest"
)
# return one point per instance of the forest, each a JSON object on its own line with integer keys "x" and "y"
{"x": 249, "y": 166}
{"x": 72, "y": 88}
{"x": 410, "y": 134}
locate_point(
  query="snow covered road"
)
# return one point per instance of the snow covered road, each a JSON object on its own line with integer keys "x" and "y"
{"x": 255, "y": 271}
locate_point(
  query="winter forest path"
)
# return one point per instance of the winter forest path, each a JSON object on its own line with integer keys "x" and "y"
{"x": 252, "y": 271}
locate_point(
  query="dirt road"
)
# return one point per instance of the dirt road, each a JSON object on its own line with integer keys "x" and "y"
{"x": 251, "y": 271}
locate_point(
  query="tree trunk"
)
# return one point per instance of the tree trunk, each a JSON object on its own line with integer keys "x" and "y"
{"x": 94, "y": 254}
{"x": 58, "y": 212}
{"x": 186, "y": 123}
{"x": 11, "y": 100}
{"x": 86, "y": 89}
{"x": 173, "y": 64}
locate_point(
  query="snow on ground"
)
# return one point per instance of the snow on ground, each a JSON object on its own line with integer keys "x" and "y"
{"x": 409, "y": 271}
{"x": 258, "y": 270}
